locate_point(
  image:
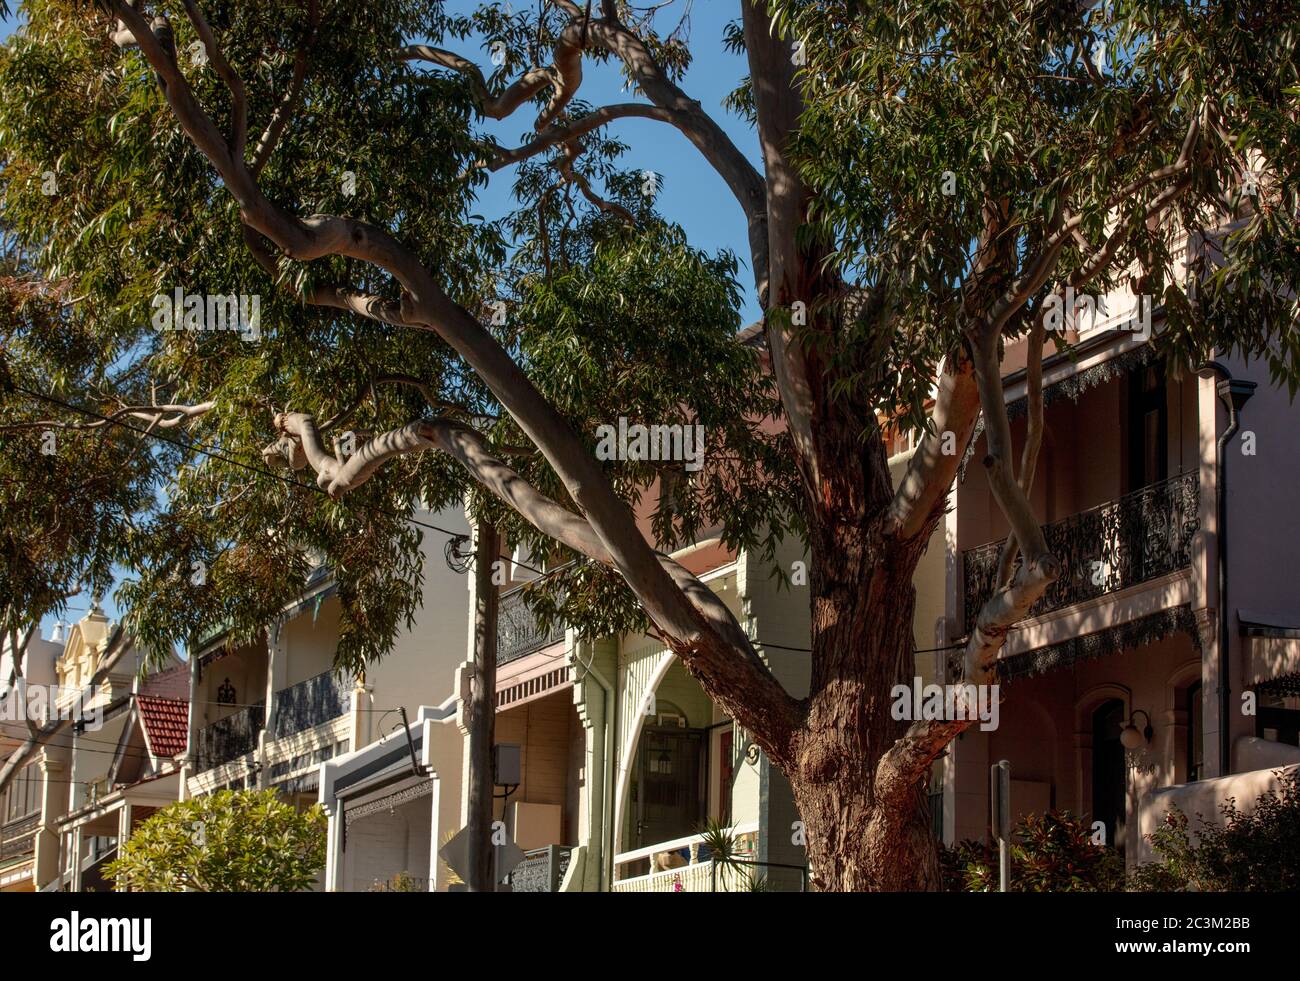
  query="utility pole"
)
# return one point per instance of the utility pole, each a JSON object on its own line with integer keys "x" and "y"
{"x": 482, "y": 710}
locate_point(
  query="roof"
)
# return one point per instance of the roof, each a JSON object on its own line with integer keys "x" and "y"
{"x": 166, "y": 724}
{"x": 753, "y": 334}
{"x": 1253, "y": 624}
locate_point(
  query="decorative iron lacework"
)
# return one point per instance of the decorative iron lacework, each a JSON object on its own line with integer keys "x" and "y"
{"x": 387, "y": 803}
{"x": 311, "y": 703}
{"x": 1133, "y": 539}
{"x": 1286, "y": 685}
{"x": 1135, "y": 633}
{"x": 542, "y": 870}
{"x": 518, "y": 632}
{"x": 231, "y": 737}
{"x": 1072, "y": 387}
{"x": 18, "y": 837}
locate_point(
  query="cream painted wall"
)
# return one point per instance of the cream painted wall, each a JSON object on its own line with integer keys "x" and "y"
{"x": 421, "y": 668}
{"x": 246, "y": 669}
{"x": 308, "y": 642}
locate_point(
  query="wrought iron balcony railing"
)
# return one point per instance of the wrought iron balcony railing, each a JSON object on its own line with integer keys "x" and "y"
{"x": 18, "y": 837}
{"x": 310, "y": 703}
{"x": 518, "y": 632}
{"x": 231, "y": 737}
{"x": 542, "y": 869}
{"x": 1131, "y": 540}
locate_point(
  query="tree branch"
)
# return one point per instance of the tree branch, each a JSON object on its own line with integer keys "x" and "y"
{"x": 578, "y": 127}
{"x": 755, "y": 693}
{"x": 571, "y": 175}
{"x": 778, "y": 104}
{"x": 564, "y": 74}
{"x": 697, "y": 126}
{"x": 425, "y": 305}
{"x": 931, "y": 470}
{"x": 159, "y": 416}
{"x": 238, "y": 95}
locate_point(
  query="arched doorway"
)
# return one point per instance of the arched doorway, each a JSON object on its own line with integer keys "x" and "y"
{"x": 670, "y": 789}
{"x": 1109, "y": 770}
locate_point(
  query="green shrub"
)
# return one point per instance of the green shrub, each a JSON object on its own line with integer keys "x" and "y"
{"x": 1051, "y": 852}
{"x": 228, "y": 841}
{"x": 1254, "y": 852}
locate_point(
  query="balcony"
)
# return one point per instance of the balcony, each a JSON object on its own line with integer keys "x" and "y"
{"x": 518, "y": 633}
{"x": 1122, "y": 543}
{"x": 542, "y": 869}
{"x": 231, "y": 737}
{"x": 18, "y": 837}
{"x": 310, "y": 703}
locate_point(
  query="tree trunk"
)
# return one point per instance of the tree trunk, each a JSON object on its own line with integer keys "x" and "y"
{"x": 855, "y": 846}
{"x": 863, "y": 646}
{"x": 856, "y": 839}
{"x": 482, "y": 712}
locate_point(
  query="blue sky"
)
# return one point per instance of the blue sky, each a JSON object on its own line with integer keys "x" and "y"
{"x": 691, "y": 193}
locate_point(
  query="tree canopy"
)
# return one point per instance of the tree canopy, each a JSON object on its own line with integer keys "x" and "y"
{"x": 932, "y": 174}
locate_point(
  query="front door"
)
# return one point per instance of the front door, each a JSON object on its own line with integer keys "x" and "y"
{"x": 671, "y": 796}
{"x": 1109, "y": 771}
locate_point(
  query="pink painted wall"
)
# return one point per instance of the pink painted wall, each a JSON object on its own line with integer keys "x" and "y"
{"x": 1045, "y": 731}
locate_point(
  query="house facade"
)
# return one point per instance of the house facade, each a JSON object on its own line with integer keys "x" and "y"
{"x": 35, "y": 789}
{"x": 98, "y": 777}
{"x": 273, "y": 711}
{"x": 624, "y": 759}
{"x": 1120, "y": 694}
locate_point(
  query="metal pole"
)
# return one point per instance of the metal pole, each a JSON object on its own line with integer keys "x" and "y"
{"x": 1000, "y": 800}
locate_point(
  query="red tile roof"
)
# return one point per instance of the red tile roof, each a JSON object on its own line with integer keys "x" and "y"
{"x": 166, "y": 723}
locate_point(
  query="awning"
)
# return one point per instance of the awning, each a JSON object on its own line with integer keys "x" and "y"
{"x": 1272, "y": 649}
{"x": 415, "y": 789}
{"x": 1128, "y": 635}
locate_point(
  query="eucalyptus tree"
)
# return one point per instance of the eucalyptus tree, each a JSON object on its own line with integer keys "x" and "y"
{"x": 931, "y": 173}
{"x": 72, "y": 484}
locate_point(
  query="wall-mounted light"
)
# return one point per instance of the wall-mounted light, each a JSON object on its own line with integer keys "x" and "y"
{"x": 1133, "y": 738}
{"x": 664, "y": 763}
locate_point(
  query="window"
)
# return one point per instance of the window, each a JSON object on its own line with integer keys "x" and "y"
{"x": 1278, "y": 718}
{"x": 1195, "y": 732}
{"x": 1148, "y": 427}
{"x": 24, "y": 794}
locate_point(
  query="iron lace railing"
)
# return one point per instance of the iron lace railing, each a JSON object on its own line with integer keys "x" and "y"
{"x": 1133, "y": 539}
{"x": 542, "y": 869}
{"x": 310, "y": 703}
{"x": 231, "y": 737}
{"x": 518, "y": 631}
